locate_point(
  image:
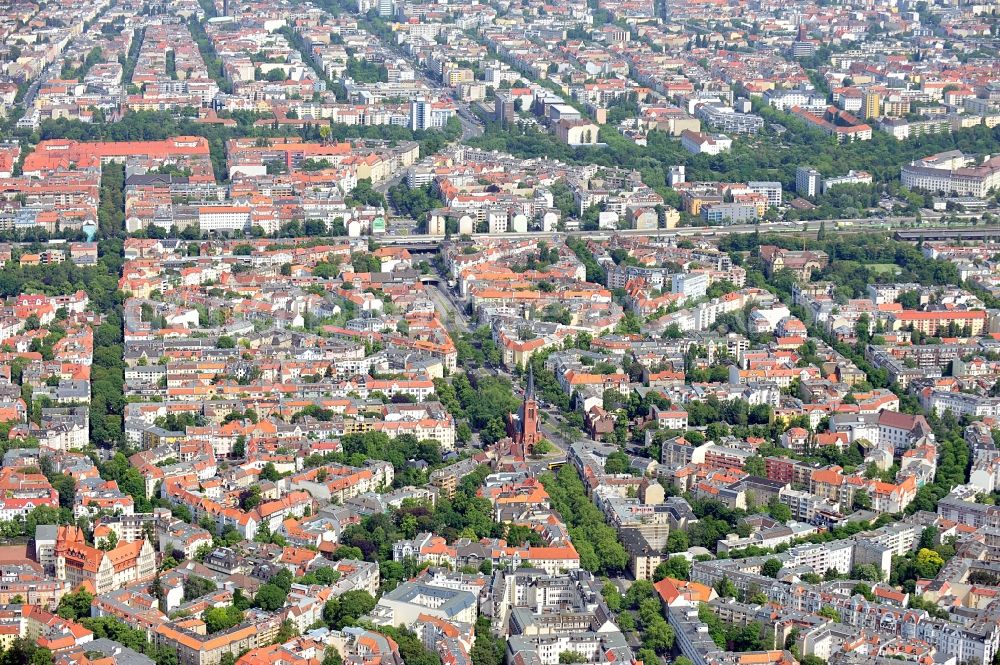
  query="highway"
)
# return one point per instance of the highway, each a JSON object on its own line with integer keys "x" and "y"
{"x": 471, "y": 126}
{"x": 831, "y": 225}
{"x": 384, "y": 186}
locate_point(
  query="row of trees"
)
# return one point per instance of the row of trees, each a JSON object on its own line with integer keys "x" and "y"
{"x": 107, "y": 402}
{"x": 952, "y": 464}
{"x": 546, "y": 385}
{"x": 207, "y": 48}
{"x": 129, "y": 60}
{"x": 111, "y": 210}
{"x": 101, "y": 285}
{"x": 92, "y": 58}
{"x": 596, "y": 542}
{"x": 477, "y": 348}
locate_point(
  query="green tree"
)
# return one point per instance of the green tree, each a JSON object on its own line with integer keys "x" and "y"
{"x": 677, "y": 541}
{"x": 346, "y": 609}
{"x": 218, "y": 619}
{"x": 362, "y": 262}
{"x": 864, "y": 590}
{"x": 109, "y": 542}
{"x": 616, "y": 463}
{"x": 285, "y": 632}
{"x": 779, "y": 511}
{"x": 543, "y": 447}
{"x": 75, "y": 606}
{"x": 928, "y": 563}
{"x": 626, "y": 622}
{"x": 754, "y": 465}
{"x": 867, "y": 572}
{"x": 196, "y": 586}
{"x": 270, "y": 597}
{"x": 829, "y": 612}
{"x": 411, "y": 649}
{"x": 771, "y": 568}
{"x": 270, "y": 472}
{"x": 726, "y": 589}
{"x": 639, "y": 591}
{"x": 658, "y": 636}
{"x": 365, "y": 195}
{"x": 487, "y": 649}
{"x": 676, "y": 567}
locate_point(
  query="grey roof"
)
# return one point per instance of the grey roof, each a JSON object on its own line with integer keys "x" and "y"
{"x": 155, "y": 179}
{"x": 46, "y": 532}
{"x": 122, "y": 655}
{"x": 453, "y": 602}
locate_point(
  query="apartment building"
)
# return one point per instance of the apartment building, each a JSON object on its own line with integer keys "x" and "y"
{"x": 935, "y": 322}
{"x": 194, "y": 648}
{"x": 952, "y": 173}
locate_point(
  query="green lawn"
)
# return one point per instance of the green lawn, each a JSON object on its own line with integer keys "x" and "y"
{"x": 891, "y": 268}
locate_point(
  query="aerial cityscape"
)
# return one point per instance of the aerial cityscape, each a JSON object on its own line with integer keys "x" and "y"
{"x": 499, "y": 332}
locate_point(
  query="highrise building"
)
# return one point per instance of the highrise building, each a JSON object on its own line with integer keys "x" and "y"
{"x": 676, "y": 175}
{"x": 420, "y": 114}
{"x": 872, "y": 107}
{"x": 807, "y": 181}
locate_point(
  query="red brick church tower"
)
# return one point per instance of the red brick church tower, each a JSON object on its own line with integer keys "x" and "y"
{"x": 523, "y": 426}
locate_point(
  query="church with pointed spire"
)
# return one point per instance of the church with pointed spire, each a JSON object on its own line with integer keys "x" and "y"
{"x": 522, "y": 427}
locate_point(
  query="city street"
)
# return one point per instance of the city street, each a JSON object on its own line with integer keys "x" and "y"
{"x": 451, "y": 314}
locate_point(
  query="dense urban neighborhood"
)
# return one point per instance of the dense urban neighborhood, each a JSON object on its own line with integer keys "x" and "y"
{"x": 499, "y": 332}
